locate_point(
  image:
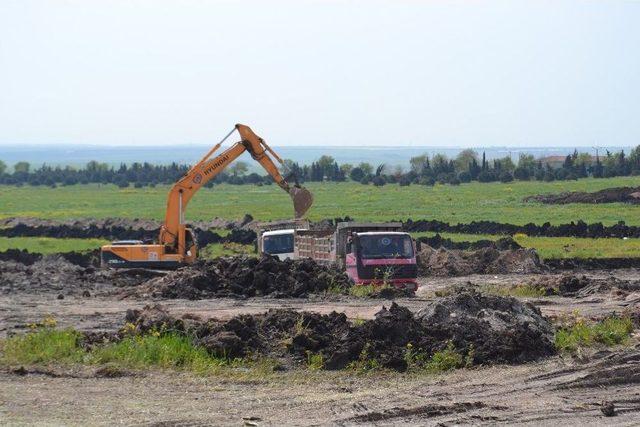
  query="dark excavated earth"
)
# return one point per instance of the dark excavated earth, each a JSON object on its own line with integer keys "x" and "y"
{"x": 488, "y": 329}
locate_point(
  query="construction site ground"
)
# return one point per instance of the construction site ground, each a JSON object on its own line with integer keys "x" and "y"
{"x": 561, "y": 389}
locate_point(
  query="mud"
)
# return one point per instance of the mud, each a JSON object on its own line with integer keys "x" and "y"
{"x": 487, "y": 329}
{"x": 608, "y": 195}
{"x": 244, "y": 277}
{"x": 488, "y": 260}
{"x": 573, "y": 229}
{"x": 437, "y": 241}
{"x": 581, "y": 286}
{"x": 559, "y": 264}
{"x": 55, "y": 276}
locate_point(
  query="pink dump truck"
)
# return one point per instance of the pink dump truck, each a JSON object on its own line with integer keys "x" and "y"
{"x": 370, "y": 253}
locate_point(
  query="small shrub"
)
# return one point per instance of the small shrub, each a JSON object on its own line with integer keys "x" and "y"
{"x": 441, "y": 361}
{"x": 315, "y": 361}
{"x": 445, "y": 360}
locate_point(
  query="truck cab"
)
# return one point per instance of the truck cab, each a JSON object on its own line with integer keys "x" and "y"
{"x": 278, "y": 243}
{"x": 382, "y": 257}
{"x": 276, "y": 238}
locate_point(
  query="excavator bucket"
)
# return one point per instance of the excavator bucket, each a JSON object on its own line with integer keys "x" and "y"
{"x": 302, "y": 200}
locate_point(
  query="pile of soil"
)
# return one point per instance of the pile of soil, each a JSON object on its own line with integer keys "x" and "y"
{"x": 244, "y": 277}
{"x": 487, "y": 329}
{"x": 489, "y": 260}
{"x": 573, "y": 229}
{"x": 23, "y": 256}
{"x": 570, "y": 285}
{"x": 502, "y": 244}
{"x": 608, "y": 195}
{"x": 591, "y": 263}
{"x": 53, "y": 274}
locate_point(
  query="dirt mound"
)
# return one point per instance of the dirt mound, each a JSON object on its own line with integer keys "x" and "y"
{"x": 245, "y": 277}
{"x": 500, "y": 329}
{"x": 21, "y": 256}
{"x": 82, "y": 259}
{"x": 591, "y": 263}
{"x": 55, "y": 274}
{"x": 446, "y": 262}
{"x": 488, "y": 329}
{"x": 573, "y": 229}
{"x": 608, "y": 195}
{"x": 570, "y": 285}
{"x": 502, "y": 244}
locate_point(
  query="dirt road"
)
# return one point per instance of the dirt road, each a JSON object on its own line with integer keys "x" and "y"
{"x": 547, "y": 393}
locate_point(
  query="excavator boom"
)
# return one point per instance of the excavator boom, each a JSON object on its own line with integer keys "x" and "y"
{"x": 176, "y": 243}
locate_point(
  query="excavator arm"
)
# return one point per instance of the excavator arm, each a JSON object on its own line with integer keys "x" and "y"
{"x": 172, "y": 232}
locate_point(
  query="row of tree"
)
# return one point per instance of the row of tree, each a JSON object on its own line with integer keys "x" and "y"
{"x": 465, "y": 167}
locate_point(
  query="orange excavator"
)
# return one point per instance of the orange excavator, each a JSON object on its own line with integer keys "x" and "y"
{"x": 177, "y": 244}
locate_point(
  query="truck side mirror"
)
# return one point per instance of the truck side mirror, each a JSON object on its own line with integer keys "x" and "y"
{"x": 349, "y": 247}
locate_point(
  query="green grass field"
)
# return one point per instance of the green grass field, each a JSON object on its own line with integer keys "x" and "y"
{"x": 456, "y": 204}
{"x": 48, "y": 245}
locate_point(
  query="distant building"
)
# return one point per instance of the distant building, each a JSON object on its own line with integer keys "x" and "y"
{"x": 556, "y": 162}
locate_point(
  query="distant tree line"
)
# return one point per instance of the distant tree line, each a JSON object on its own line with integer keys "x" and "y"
{"x": 467, "y": 166}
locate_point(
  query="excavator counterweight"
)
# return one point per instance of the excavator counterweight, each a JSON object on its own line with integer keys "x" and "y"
{"x": 177, "y": 244}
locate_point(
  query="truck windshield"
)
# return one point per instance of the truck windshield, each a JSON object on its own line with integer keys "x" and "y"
{"x": 278, "y": 244}
{"x": 381, "y": 246}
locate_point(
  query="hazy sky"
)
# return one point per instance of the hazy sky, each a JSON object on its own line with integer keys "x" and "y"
{"x": 446, "y": 73}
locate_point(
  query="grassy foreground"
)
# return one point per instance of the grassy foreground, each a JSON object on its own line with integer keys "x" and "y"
{"x": 464, "y": 203}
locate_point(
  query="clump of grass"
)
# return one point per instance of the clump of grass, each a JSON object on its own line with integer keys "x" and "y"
{"x": 315, "y": 361}
{"x": 445, "y": 360}
{"x": 164, "y": 351}
{"x": 441, "y": 361}
{"x": 358, "y": 321}
{"x": 521, "y": 291}
{"x": 609, "y": 332}
{"x": 362, "y": 290}
{"x": 365, "y": 362}
{"x": 45, "y": 345}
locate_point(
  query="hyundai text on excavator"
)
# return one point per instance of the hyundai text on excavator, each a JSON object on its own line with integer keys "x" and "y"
{"x": 177, "y": 244}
